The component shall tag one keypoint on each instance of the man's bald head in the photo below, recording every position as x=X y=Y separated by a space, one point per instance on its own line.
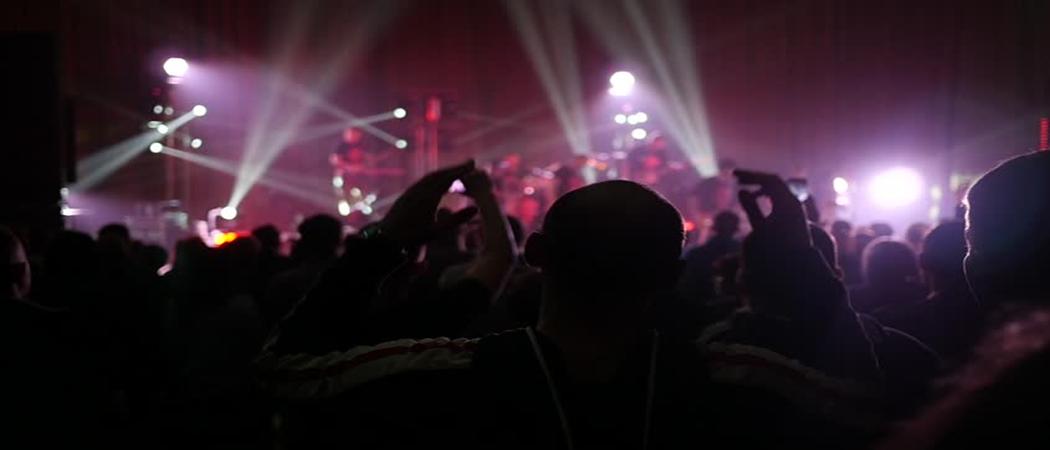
x=1008 y=231
x=614 y=237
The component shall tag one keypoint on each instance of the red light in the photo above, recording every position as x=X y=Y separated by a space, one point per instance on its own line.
x=1044 y=133
x=433 y=109
x=689 y=226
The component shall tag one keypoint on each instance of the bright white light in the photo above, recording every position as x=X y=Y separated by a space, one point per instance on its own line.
x=641 y=117
x=620 y=119
x=632 y=119
x=621 y=84
x=366 y=210
x=370 y=198
x=169 y=111
x=344 y=208
x=156 y=147
x=639 y=134
x=401 y=143
x=840 y=185
x=400 y=113
x=895 y=188
x=337 y=181
x=196 y=143
x=356 y=192
x=176 y=67
x=153 y=123
x=228 y=212
x=200 y=110
x=162 y=129
x=157 y=109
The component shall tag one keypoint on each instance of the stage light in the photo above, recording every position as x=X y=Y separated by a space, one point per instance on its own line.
x=228 y=212
x=153 y=124
x=639 y=134
x=641 y=117
x=401 y=143
x=370 y=198
x=344 y=208
x=156 y=147
x=621 y=84
x=196 y=143
x=632 y=120
x=157 y=109
x=842 y=200
x=840 y=185
x=620 y=119
x=169 y=111
x=162 y=129
x=337 y=181
x=366 y=210
x=400 y=113
x=895 y=188
x=200 y=110
x=176 y=67
x=355 y=192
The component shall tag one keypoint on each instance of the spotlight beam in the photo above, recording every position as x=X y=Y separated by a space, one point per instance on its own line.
x=560 y=76
x=99 y=166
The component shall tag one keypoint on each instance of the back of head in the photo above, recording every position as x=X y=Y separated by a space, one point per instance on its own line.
x=319 y=237
x=915 y=233
x=881 y=229
x=614 y=239
x=727 y=224
x=269 y=237
x=1008 y=231
x=943 y=252
x=841 y=229
x=114 y=231
x=888 y=263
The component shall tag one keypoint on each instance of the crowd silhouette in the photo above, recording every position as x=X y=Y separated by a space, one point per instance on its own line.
x=450 y=328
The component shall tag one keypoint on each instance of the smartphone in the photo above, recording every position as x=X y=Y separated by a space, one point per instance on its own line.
x=799 y=187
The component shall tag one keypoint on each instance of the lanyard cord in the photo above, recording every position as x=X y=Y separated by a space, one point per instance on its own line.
x=650 y=391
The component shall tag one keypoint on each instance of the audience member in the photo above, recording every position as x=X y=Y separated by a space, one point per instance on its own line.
x=316 y=249
x=891 y=284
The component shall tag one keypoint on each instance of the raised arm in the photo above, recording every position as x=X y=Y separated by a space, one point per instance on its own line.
x=499 y=254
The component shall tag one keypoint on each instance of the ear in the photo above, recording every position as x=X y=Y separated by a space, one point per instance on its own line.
x=537 y=253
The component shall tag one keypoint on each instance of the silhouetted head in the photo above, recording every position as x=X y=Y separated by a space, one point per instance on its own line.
x=269 y=237
x=915 y=234
x=889 y=263
x=942 y=255
x=841 y=230
x=609 y=243
x=881 y=229
x=319 y=237
x=15 y=279
x=1008 y=231
x=727 y=224
x=115 y=231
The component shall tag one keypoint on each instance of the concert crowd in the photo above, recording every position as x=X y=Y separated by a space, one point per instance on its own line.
x=585 y=320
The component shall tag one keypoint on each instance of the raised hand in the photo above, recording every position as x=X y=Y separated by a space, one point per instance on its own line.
x=786 y=225
x=411 y=222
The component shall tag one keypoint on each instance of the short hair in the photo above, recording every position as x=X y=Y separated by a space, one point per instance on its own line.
x=615 y=236
x=319 y=235
x=887 y=260
x=881 y=229
x=727 y=223
x=841 y=227
x=116 y=231
x=268 y=235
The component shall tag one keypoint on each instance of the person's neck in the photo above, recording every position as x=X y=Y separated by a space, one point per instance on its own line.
x=594 y=349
